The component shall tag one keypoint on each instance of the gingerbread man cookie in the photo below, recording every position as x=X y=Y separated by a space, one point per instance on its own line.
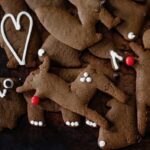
x=142 y=80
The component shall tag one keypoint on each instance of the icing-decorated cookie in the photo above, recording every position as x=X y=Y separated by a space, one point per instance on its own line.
x=142 y=80
x=19 y=36
x=76 y=105
x=12 y=104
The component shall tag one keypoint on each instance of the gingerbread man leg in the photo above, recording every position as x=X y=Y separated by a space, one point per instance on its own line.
x=36 y=115
x=71 y=119
x=141 y=117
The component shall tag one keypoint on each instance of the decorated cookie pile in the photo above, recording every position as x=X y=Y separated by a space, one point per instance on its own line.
x=69 y=50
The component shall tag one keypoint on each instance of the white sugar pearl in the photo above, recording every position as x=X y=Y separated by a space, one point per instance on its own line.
x=88 y=79
x=72 y=124
x=41 y=52
x=82 y=79
x=36 y=123
x=67 y=123
x=131 y=36
x=76 y=124
x=86 y=74
x=94 y=124
x=102 y=143
x=87 y=122
x=40 y=123
x=32 y=122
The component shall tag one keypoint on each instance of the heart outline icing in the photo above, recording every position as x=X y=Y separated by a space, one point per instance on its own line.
x=17 y=25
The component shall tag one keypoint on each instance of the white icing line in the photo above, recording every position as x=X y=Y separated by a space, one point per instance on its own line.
x=17 y=25
x=3 y=94
x=114 y=57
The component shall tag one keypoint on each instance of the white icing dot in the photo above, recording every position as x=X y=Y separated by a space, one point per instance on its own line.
x=41 y=52
x=87 y=122
x=40 y=123
x=35 y=123
x=72 y=124
x=102 y=143
x=82 y=79
x=32 y=122
x=94 y=124
x=76 y=124
x=131 y=36
x=86 y=74
x=88 y=79
x=67 y=123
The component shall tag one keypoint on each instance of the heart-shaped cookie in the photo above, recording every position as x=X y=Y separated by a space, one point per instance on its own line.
x=17 y=25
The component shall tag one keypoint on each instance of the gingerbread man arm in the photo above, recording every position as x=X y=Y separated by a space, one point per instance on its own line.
x=136 y=48
x=109 y=88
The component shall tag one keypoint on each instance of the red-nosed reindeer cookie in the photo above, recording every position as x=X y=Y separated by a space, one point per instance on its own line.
x=36 y=113
x=49 y=85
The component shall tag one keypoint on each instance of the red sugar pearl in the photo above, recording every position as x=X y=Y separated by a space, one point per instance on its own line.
x=130 y=61
x=35 y=100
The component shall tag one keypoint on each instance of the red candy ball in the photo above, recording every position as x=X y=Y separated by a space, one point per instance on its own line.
x=35 y=100
x=130 y=60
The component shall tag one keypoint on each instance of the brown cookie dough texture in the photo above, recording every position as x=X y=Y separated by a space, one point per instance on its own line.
x=132 y=15
x=142 y=80
x=77 y=98
x=12 y=105
x=60 y=23
x=17 y=39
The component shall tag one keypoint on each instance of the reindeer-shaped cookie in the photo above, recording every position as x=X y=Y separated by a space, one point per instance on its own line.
x=131 y=22
x=142 y=80
x=49 y=85
x=76 y=33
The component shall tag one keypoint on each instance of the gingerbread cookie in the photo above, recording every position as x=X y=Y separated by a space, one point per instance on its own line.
x=142 y=80
x=88 y=80
x=131 y=22
x=36 y=113
x=89 y=13
x=20 y=46
x=12 y=104
x=60 y=53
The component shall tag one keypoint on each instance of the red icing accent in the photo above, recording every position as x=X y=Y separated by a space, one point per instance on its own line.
x=35 y=100
x=130 y=61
